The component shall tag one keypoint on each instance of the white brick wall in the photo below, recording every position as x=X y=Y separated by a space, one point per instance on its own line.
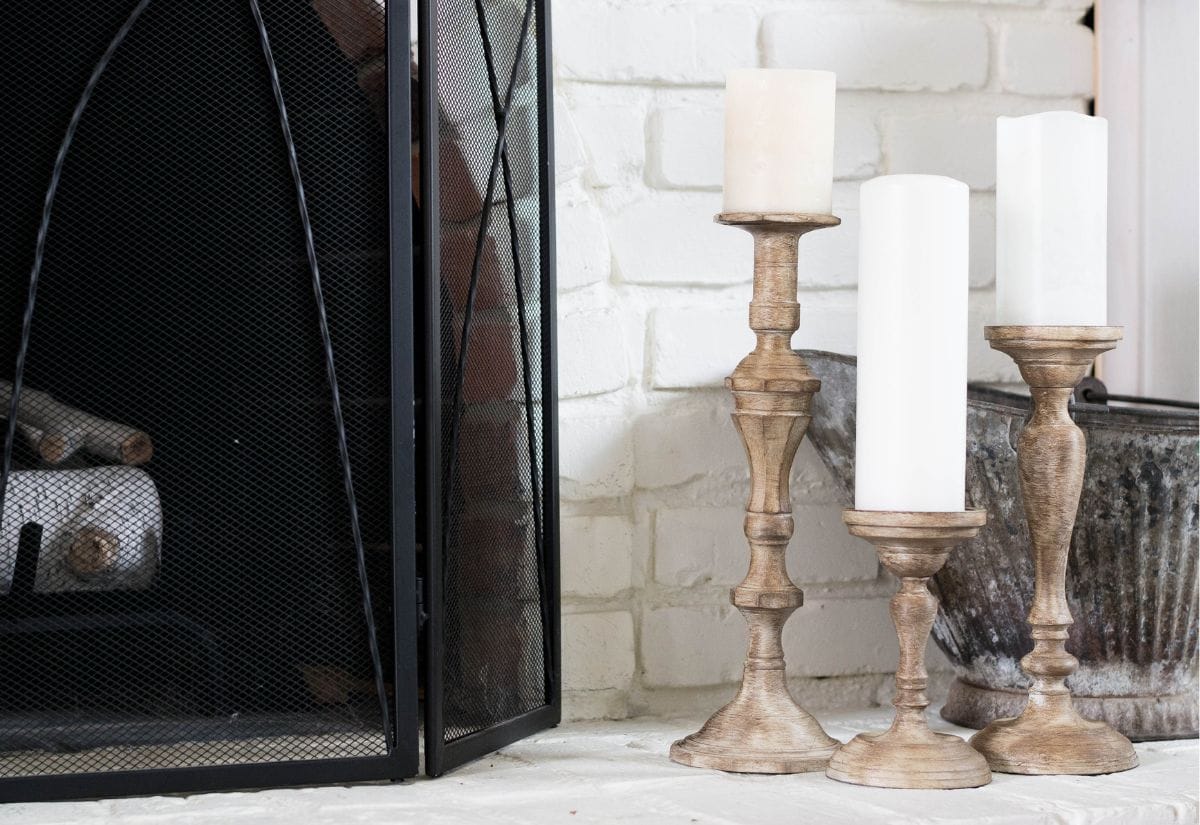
x=597 y=651
x=595 y=456
x=583 y=251
x=1042 y=59
x=687 y=143
x=651 y=42
x=670 y=238
x=705 y=545
x=584 y=369
x=931 y=143
x=898 y=50
x=597 y=556
x=653 y=299
x=673 y=447
x=614 y=142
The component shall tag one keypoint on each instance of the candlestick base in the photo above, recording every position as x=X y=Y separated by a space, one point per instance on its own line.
x=1050 y=737
x=913 y=546
x=916 y=758
x=761 y=731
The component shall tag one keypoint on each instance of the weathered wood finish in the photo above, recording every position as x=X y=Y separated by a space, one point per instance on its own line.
x=93 y=552
x=763 y=730
x=1049 y=736
x=913 y=546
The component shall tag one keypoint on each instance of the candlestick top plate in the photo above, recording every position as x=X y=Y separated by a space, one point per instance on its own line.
x=795 y=221
x=1048 y=334
x=1053 y=356
x=1073 y=343
x=914 y=527
x=914 y=544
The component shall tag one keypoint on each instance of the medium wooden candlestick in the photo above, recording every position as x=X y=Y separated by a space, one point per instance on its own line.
x=763 y=730
x=913 y=546
x=1050 y=737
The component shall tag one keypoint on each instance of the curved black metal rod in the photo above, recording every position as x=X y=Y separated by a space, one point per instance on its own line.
x=473 y=288
x=526 y=365
x=331 y=374
x=39 y=253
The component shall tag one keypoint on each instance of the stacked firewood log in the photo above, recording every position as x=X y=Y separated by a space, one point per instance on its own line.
x=98 y=528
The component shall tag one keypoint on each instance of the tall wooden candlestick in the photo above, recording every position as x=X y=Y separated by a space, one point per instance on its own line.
x=1050 y=737
x=913 y=546
x=763 y=730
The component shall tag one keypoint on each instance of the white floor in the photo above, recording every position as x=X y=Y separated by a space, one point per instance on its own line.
x=618 y=772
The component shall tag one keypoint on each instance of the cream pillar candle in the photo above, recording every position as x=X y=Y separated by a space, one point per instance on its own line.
x=1051 y=220
x=779 y=141
x=910 y=450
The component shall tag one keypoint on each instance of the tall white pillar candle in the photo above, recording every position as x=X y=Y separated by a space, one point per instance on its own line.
x=779 y=141
x=1051 y=219
x=912 y=345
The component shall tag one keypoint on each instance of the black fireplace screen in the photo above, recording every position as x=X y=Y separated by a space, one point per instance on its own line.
x=213 y=360
x=494 y=658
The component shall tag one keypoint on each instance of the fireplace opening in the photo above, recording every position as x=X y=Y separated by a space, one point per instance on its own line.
x=275 y=482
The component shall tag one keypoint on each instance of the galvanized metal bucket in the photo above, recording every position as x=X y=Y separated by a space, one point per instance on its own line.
x=1131 y=578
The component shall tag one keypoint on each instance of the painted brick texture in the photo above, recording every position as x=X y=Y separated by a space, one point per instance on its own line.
x=653 y=312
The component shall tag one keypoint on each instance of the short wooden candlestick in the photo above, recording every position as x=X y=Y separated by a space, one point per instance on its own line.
x=763 y=730
x=913 y=546
x=1050 y=737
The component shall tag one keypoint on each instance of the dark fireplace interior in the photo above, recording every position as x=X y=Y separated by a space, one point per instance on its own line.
x=250 y=423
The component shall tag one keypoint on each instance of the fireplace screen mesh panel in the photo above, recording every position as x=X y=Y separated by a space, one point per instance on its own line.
x=180 y=580
x=497 y=592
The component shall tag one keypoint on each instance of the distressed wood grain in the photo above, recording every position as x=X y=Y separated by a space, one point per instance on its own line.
x=763 y=730
x=1049 y=736
x=913 y=546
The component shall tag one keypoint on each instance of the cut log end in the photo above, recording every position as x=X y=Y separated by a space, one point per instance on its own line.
x=137 y=449
x=93 y=552
x=54 y=448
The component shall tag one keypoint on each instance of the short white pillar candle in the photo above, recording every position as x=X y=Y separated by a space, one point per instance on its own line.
x=910 y=452
x=1051 y=220
x=779 y=141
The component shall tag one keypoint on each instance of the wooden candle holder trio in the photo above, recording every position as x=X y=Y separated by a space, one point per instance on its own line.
x=763 y=730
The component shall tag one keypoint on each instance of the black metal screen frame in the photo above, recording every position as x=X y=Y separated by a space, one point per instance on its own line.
x=415 y=350
x=402 y=760
x=441 y=754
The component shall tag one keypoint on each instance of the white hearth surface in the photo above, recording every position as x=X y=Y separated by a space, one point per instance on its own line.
x=618 y=772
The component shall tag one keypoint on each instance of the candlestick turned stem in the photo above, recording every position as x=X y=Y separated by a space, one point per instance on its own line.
x=1050 y=737
x=913 y=546
x=763 y=730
